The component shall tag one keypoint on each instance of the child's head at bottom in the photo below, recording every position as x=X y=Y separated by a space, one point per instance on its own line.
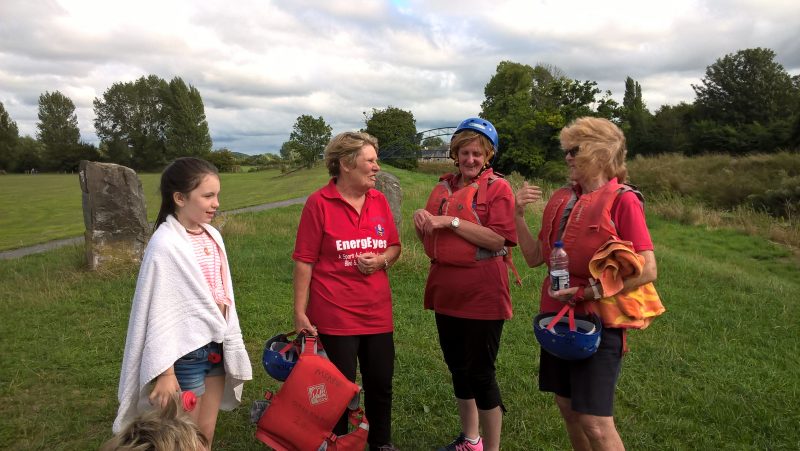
x=167 y=429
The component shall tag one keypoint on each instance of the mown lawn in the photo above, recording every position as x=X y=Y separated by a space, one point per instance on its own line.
x=719 y=370
x=44 y=207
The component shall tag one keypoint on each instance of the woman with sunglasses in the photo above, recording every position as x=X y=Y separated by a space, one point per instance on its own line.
x=584 y=214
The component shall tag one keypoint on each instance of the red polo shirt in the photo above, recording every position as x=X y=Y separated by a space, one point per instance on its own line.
x=331 y=234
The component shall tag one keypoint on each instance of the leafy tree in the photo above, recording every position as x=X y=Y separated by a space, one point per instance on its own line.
x=264 y=161
x=149 y=122
x=609 y=108
x=636 y=119
x=9 y=136
x=509 y=91
x=223 y=159
x=186 y=130
x=130 y=121
x=309 y=137
x=58 y=132
x=794 y=140
x=290 y=151
x=30 y=154
x=529 y=106
x=433 y=142
x=794 y=137
x=513 y=97
x=744 y=87
x=396 y=131
x=671 y=129
x=747 y=102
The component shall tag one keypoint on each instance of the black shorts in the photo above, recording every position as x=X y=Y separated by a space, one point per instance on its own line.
x=588 y=383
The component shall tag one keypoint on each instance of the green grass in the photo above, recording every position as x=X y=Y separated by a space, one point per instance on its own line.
x=36 y=209
x=719 y=370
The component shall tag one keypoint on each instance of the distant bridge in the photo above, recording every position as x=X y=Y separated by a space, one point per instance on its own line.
x=399 y=149
x=442 y=131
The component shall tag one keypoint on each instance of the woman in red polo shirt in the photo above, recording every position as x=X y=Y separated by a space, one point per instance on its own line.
x=467 y=227
x=346 y=242
x=583 y=215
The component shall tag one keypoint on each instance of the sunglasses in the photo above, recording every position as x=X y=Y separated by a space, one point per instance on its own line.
x=573 y=151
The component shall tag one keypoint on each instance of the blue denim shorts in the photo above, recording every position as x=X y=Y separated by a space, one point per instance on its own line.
x=192 y=369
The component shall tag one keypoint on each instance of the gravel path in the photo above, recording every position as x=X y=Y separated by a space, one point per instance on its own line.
x=44 y=247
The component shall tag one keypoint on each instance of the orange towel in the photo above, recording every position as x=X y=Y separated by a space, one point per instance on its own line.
x=611 y=265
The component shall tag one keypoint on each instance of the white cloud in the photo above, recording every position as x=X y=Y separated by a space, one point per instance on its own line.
x=259 y=64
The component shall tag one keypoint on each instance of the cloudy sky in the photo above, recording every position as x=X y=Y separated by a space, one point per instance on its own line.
x=259 y=64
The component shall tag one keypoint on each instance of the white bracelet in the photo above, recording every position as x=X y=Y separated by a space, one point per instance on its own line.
x=385 y=262
x=595 y=291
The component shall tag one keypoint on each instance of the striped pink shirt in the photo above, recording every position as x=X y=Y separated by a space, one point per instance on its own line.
x=208 y=256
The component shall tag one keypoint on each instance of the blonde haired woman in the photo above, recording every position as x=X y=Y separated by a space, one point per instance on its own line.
x=594 y=150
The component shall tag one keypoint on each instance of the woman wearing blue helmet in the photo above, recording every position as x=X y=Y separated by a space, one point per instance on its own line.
x=466 y=228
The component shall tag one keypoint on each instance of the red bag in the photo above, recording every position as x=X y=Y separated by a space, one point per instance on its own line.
x=302 y=414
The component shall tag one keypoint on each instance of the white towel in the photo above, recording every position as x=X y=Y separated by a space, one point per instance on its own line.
x=173 y=313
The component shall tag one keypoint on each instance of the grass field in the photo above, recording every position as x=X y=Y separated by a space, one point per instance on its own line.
x=719 y=370
x=44 y=207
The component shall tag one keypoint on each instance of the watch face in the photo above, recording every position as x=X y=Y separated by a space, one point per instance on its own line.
x=455 y=223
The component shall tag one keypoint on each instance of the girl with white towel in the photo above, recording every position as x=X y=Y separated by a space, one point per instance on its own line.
x=183 y=332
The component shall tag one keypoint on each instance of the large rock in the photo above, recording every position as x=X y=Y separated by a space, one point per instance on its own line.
x=389 y=185
x=114 y=214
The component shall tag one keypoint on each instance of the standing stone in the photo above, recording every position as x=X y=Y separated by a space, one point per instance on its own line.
x=114 y=214
x=389 y=185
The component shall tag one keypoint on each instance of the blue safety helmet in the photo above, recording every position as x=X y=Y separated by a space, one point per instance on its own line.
x=280 y=356
x=565 y=343
x=481 y=126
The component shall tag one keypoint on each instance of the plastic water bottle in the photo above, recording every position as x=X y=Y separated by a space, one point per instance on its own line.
x=559 y=267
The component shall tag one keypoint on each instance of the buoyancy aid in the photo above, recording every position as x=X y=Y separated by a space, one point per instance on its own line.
x=588 y=225
x=302 y=414
x=444 y=245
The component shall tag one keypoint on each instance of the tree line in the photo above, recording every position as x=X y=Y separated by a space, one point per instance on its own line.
x=745 y=103
x=143 y=124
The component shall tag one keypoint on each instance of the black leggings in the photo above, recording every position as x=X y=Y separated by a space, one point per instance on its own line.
x=470 y=349
x=375 y=355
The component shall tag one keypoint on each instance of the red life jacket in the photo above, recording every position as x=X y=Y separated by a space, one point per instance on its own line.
x=302 y=414
x=444 y=245
x=588 y=227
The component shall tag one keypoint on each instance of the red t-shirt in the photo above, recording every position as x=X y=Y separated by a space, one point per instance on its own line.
x=331 y=234
x=480 y=291
x=628 y=216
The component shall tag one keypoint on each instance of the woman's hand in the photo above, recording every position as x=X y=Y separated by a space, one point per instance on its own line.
x=527 y=194
x=564 y=295
x=420 y=218
x=301 y=322
x=166 y=386
x=425 y=222
x=370 y=262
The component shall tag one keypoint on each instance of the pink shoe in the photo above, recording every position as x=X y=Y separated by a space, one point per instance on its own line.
x=462 y=444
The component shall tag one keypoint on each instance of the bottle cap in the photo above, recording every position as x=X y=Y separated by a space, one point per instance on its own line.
x=558 y=243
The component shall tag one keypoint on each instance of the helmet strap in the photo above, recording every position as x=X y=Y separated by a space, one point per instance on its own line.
x=566 y=309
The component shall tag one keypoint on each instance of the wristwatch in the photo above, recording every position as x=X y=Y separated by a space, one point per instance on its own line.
x=455 y=223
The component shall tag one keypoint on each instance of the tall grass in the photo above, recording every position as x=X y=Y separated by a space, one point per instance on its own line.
x=717 y=371
x=755 y=194
x=764 y=182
